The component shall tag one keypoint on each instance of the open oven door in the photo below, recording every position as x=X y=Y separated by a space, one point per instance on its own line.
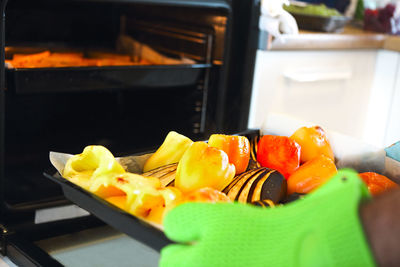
x=99 y=246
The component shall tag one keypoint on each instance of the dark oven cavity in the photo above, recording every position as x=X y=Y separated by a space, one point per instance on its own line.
x=176 y=53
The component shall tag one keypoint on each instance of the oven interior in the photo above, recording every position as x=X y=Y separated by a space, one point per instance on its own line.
x=125 y=108
x=197 y=78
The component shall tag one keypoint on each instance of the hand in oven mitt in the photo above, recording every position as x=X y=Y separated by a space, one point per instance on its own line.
x=322 y=229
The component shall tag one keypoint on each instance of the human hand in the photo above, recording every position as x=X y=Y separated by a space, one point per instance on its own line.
x=322 y=229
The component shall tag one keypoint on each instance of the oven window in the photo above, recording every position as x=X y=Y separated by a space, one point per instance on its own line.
x=116 y=74
x=123 y=121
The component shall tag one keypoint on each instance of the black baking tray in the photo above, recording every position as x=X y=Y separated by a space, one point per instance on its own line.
x=78 y=79
x=110 y=214
x=114 y=216
x=320 y=23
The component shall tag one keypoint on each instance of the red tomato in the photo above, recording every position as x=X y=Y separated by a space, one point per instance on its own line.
x=280 y=153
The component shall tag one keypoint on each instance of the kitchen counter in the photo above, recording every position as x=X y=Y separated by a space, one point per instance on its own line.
x=349 y=38
x=301 y=74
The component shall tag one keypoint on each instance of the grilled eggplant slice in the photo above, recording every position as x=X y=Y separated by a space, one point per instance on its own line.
x=257 y=184
x=292 y=197
x=166 y=174
x=253 y=163
x=264 y=203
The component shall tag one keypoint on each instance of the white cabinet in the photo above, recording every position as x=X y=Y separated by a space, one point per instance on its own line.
x=348 y=91
x=393 y=130
x=381 y=114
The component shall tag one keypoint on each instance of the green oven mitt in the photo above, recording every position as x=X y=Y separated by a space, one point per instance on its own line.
x=322 y=229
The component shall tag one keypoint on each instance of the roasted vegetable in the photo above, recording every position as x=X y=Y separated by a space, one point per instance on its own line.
x=203 y=166
x=104 y=186
x=311 y=175
x=377 y=183
x=292 y=197
x=236 y=147
x=257 y=184
x=93 y=170
x=313 y=142
x=145 y=197
x=206 y=194
x=279 y=153
x=264 y=203
x=141 y=193
x=171 y=198
x=171 y=151
x=166 y=174
x=253 y=163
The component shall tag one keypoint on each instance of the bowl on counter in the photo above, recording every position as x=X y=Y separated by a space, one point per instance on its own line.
x=320 y=23
x=316 y=17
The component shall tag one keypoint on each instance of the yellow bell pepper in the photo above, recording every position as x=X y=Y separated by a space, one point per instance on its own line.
x=172 y=197
x=203 y=166
x=144 y=196
x=169 y=152
x=141 y=192
x=94 y=162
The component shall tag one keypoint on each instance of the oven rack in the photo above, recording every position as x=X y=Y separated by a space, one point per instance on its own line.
x=83 y=79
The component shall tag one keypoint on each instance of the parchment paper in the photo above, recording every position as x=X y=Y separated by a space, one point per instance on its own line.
x=133 y=164
x=140 y=51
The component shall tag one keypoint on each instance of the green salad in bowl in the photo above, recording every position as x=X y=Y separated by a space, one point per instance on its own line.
x=317 y=17
x=311 y=9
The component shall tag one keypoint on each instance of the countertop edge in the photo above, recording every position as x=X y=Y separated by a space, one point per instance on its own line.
x=334 y=41
x=392 y=43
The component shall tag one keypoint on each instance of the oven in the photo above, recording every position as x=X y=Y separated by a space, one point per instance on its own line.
x=119 y=73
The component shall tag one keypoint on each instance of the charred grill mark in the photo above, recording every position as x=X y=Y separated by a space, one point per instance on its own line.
x=168 y=173
x=264 y=203
x=161 y=169
x=245 y=183
x=267 y=203
x=172 y=183
x=255 y=184
x=234 y=182
x=167 y=180
x=245 y=192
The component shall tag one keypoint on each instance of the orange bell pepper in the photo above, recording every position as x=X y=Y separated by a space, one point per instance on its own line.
x=279 y=153
x=311 y=175
x=313 y=142
x=203 y=166
x=237 y=148
x=377 y=183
